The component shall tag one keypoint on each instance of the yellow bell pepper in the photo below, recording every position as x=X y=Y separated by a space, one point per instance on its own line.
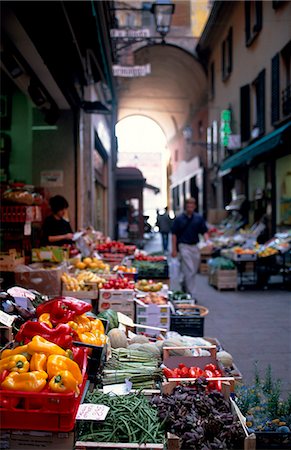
x=14 y=363
x=38 y=362
x=28 y=382
x=83 y=322
x=45 y=318
x=89 y=338
x=57 y=363
x=64 y=381
x=73 y=325
x=97 y=325
x=21 y=349
x=41 y=345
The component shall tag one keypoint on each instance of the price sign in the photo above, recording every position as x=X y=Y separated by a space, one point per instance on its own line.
x=88 y=411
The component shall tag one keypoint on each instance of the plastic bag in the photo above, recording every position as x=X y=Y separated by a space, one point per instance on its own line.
x=175 y=275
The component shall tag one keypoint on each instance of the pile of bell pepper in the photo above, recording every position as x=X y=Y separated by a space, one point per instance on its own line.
x=40 y=365
x=209 y=371
x=63 y=320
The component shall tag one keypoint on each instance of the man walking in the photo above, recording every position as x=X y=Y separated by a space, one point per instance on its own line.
x=164 y=222
x=185 y=237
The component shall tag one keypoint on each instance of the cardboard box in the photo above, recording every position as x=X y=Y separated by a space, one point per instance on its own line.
x=50 y=254
x=115 y=294
x=152 y=315
x=42 y=277
x=120 y=300
x=10 y=260
x=36 y=440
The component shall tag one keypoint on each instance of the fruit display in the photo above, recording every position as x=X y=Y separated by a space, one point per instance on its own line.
x=148 y=286
x=268 y=251
x=143 y=257
x=94 y=264
x=124 y=269
x=154 y=299
x=122 y=283
x=115 y=247
x=81 y=281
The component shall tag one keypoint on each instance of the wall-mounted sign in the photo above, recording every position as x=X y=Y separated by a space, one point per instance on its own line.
x=129 y=33
x=234 y=141
x=225 y=130
x=52 y=178
x=131 y=71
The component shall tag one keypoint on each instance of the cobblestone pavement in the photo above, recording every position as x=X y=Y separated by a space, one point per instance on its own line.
x=252 y=325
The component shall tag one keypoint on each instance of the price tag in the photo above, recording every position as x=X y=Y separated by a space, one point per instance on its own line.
x=6 y=319
x=27 y=229
x=17 y=291
x=88 y=411
x=118 y=389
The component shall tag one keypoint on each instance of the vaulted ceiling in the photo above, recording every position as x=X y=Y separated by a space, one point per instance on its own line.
x=171 y=94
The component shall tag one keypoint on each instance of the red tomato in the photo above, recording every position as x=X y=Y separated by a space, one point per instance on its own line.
x=168 y=372
x=181 y=365
x=208 y=373
x=184 y=372
x=193 y=372
x=211 y=367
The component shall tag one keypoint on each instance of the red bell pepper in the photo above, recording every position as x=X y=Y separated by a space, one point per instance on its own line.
x=63 y=309
x=62 y=335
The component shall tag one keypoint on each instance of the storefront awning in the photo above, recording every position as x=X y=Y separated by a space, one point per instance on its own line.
x=263 y=145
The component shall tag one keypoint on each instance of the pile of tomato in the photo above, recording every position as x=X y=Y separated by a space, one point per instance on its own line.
x=209 y=371
x=120 y=283
x=141 y=257
x=115 y=247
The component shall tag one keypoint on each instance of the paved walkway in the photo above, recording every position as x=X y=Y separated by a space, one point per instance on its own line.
x=252 y=325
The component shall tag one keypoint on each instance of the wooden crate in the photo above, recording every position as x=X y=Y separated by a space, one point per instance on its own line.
x=10 y=260
x=224 y=279
x=249 y=440
x=80 y=445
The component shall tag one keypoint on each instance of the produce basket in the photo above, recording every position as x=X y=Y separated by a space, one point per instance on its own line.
x=47 y=411
x=191 y=322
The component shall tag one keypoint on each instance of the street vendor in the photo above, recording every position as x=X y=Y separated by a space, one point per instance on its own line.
x=56 y=228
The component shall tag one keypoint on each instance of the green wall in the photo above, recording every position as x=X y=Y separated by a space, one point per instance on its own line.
x=20 y=166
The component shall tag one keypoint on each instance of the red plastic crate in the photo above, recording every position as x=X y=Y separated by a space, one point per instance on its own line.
x=47 y=411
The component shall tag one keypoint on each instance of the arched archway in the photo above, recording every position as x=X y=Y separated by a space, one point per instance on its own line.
x=142 y=144
x=171 y=94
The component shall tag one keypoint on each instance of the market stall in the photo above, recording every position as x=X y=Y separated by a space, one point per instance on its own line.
x=99 y=366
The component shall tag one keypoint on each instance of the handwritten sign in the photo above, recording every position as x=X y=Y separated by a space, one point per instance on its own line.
x=88 y=411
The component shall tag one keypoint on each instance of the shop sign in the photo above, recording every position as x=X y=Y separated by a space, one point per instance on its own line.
x=234 y=141
x=52 y=178
x=131 y=71
x=129 y=33
x=225 y=130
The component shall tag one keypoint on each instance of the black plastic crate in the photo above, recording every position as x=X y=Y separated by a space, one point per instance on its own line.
x=188 y=325
x=267 y=440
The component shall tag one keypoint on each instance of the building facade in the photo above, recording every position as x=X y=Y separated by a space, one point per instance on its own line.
x=246 y=48
x=59 y=104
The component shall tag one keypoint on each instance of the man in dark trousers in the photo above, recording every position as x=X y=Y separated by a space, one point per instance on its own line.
x=164 y=222
x=185 y=236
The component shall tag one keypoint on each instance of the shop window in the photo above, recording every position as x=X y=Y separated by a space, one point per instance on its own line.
x=286 y=79
x=245 y=112
x=227 y=56
x=277 y=3
x=275 y=94
x=253 y=19
x=258 y=105
x=212 y=82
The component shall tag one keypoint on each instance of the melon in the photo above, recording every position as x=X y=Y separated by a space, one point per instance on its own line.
x=117 y=338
